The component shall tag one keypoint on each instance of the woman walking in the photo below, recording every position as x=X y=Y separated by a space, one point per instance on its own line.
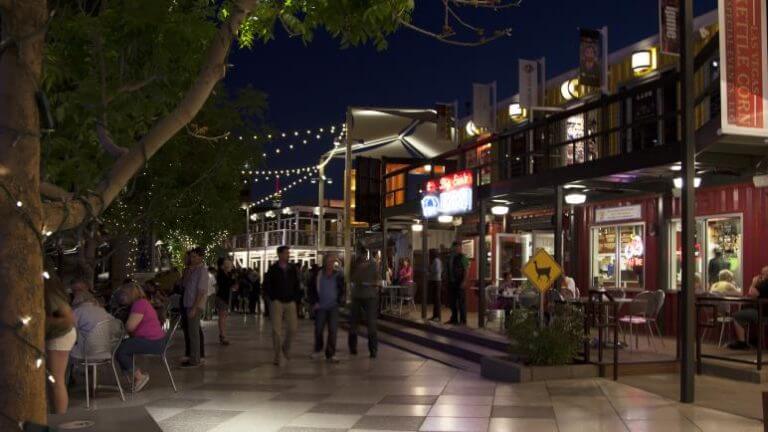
x=60 y=337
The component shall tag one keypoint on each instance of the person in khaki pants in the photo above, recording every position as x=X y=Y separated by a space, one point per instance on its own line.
x=282 y=285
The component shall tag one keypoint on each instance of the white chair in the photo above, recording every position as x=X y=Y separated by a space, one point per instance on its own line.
x=163 y=355
x=98 y=349
x=643 y=311
x=723 y=317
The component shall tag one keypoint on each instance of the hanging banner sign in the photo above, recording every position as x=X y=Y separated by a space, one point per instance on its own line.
x=528 y=83
x=669 y=26
x=445 y=119
x=591 y=58
x=448 y=195
x=744 y=67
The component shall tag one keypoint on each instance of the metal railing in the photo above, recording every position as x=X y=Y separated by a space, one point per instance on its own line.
x=288 y=237
x=714 y=304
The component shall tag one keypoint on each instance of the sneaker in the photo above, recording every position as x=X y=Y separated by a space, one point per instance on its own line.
x=189 y=364
x=142 y=383
x=316 y=355
x=373 y=354
x=333 y=359
x=223 y=341
x=353 y=352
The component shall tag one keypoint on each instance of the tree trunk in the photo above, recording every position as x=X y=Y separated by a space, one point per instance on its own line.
x=118 y=261
x=22 y=386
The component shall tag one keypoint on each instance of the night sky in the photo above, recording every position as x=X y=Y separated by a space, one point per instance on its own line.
x=310 y=86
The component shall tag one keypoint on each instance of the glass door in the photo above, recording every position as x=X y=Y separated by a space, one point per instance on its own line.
x=512 y=252
x=618 y=256
x=605 y=246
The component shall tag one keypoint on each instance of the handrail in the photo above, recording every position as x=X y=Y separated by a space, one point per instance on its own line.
x=603 y=324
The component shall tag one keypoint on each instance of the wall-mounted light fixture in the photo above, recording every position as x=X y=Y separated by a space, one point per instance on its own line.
x=427 y=168
x=445 y=219
x=417 y=227
x=678 y=182
x=516 y=110
x=569 y=89
x=643 y=61
x=471 y=128
x=575 y=198
x=499 y=210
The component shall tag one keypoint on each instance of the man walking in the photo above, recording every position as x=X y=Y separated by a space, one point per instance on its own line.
x=457 y=281
x=282 y=286
x=326 y=294
x=195 y=284
x=365 y=281
x=435 y=282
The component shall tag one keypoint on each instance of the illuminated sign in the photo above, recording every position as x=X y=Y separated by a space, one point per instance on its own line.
x=448 y=195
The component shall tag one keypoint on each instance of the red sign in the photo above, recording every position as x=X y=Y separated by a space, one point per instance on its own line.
x=744 y=75
x=450 y=182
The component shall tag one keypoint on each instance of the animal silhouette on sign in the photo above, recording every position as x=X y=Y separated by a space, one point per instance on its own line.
x=542 y=272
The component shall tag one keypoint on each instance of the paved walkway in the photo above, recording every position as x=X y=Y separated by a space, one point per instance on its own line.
x=240 y=390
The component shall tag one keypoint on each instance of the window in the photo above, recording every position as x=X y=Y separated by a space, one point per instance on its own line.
x=395 y=186
x=713 y=233
x=618 y=256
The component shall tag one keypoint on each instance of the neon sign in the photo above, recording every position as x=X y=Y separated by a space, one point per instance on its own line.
x=448 y=195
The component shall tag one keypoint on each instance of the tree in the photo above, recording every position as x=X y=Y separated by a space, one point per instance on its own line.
x=27 y=217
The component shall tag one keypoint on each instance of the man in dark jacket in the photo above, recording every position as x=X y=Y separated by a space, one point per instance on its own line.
x=326 y=294
x=282 y=286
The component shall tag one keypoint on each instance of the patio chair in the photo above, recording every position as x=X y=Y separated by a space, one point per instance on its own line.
x=163 y=355
x=723 y=317
x=408 y=297
x=643 y=312
x=98 y=349
x=494 y=310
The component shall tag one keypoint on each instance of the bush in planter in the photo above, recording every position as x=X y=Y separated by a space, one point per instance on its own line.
x=555 y=344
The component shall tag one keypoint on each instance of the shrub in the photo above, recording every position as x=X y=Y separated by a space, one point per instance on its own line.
x=555 y=344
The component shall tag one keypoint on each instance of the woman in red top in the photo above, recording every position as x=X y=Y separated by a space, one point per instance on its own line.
x=405 y=275
x=146 y=335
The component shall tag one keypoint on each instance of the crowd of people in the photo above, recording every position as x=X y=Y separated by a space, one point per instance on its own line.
x=290 y=292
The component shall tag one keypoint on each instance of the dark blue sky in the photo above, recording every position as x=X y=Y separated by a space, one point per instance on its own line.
x=311 y=86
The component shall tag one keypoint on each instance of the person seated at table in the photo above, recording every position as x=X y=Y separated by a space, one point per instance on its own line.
x=405 y=274
x=88 y=314
x=748 y=315
x=568 y=288
x=146 y=335
x=698 y=289
x=506 y=286
x=725 y=284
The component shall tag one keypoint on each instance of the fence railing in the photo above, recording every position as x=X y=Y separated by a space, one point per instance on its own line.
x=288 y=237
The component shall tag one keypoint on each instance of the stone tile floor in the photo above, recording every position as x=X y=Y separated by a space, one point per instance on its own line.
x=240 y=390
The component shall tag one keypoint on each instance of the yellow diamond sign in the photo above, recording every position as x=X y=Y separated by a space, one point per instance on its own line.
x=542 y=270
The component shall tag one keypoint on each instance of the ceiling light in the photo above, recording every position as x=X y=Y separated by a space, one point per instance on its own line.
x=427 y=167
x=417 y=227
x=574 y=198
x=499 y=210
x=445 y=219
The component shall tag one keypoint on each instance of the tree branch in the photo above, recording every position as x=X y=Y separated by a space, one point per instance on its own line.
x=132 y=87
x=487 y=4
x=52 y=191
x=107 y=143
x=483 y=40
x=60 y=216
x=194 y=134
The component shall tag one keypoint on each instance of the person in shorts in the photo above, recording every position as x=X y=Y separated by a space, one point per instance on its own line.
x=748 y=315
x=60 y=337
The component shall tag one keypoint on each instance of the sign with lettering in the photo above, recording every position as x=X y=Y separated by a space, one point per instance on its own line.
x=448 y=195
x=669 y=26
x=744 y=67
x=614 y=214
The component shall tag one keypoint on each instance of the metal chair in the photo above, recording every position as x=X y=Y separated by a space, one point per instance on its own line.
x=643 y=312
x=408 y=298
x=163 y=355
x=98 y=349
x=723 y=316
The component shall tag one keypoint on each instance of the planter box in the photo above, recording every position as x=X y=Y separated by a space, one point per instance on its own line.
x=510 y=369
